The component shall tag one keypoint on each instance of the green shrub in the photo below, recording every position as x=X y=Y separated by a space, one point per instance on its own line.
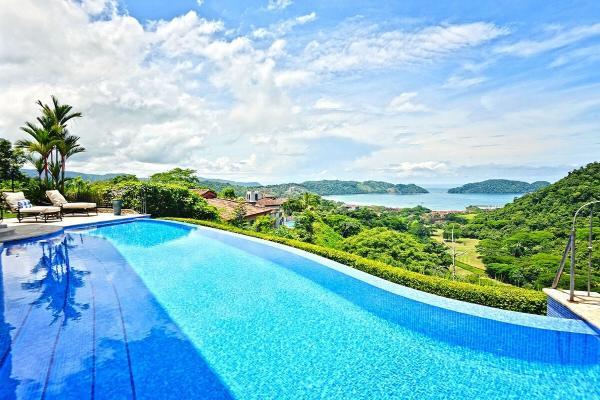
x=162 y=199
x=505 y=297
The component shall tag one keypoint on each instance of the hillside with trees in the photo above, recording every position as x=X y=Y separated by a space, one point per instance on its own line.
x=499 y=186
x=337 y=187
x=522 y=242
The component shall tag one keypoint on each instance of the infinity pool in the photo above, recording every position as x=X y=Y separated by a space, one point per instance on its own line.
x=159 y=310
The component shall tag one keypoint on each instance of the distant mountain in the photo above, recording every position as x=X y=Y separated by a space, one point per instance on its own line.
x=336 y=187
x=323 y=188
x=500 y=186
x=227 y=182
x=72 y=174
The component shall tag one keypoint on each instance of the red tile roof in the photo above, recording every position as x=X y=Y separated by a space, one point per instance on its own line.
x=270 y=202
x=227 y=208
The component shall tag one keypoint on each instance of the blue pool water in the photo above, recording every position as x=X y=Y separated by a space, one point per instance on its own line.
x=155 y=310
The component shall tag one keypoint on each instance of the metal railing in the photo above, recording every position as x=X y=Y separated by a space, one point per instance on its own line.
x=571 y=248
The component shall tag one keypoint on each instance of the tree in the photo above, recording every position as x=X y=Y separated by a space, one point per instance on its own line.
x=11 y=161
x=75 y=187
x=51 y=140
x=182 y=176
x=42 y=143
x=395 y=248
x=310 y=200
x=342 y=224
x=292 y=205
x=37 y=162
x=239 y=215
x=67 y=147
x=304 y=226
x=264 y=223
x=228 y=193
x=124 y=178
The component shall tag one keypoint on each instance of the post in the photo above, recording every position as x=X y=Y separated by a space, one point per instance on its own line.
x=573 y=236
x=453 y=255
x=589 y=274
x=572 y=280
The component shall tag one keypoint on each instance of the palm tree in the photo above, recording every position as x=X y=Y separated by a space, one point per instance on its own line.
x=67 y=146
x=57 y=116
x=51 y=139
x=55 y=169
x=43 y=143
x=37 y=162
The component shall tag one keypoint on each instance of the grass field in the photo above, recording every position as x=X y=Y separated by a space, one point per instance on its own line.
x=466 y=248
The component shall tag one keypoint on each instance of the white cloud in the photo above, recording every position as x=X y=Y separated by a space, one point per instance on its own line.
x=459 y=82
x=591 y=53
x=404 y=104
x=328 y=104
x=95 y=7
x=283 y=27
x=417 y=169
x=278 y=4
x=526 y=48
x=199 y=3
x=291 y=78
x=193 y=92
x=370 y=48
x=137 y=87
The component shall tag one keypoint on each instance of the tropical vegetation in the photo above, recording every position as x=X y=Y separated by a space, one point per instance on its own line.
x=522 y=243
x=500 y=186
x=51 y=144
x=11 y=161
x=337 y=187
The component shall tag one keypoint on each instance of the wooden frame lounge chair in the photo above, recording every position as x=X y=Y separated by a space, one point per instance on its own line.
x=18 y=204
x=58 y=200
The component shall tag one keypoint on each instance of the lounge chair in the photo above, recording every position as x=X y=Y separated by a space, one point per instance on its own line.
x=18 y=204
x=58 y=200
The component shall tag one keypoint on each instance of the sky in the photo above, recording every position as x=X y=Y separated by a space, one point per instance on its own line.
x=273 y=91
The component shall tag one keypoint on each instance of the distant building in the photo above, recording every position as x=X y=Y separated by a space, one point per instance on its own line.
x=252 y=196
x=206 y=193
x=226 y=209
x=269 y=202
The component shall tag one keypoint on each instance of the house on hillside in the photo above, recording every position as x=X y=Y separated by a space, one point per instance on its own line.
x=252 y=196
x=206 y=193
x=226 y=209
x=269 y=202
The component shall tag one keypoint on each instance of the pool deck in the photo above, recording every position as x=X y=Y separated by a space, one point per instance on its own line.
x=30 y=228
x=585 y=307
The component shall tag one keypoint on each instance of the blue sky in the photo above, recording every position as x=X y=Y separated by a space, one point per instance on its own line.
x=285 y=90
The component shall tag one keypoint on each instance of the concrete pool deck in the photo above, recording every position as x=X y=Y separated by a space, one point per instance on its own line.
x=30 y=228
x=585 y=307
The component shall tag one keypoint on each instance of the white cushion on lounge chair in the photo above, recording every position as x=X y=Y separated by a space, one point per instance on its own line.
x=12 y=199
x=78 y=206
x=56 y=198
x=39 y=210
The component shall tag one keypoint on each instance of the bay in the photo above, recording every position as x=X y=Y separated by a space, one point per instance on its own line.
x=438 y=199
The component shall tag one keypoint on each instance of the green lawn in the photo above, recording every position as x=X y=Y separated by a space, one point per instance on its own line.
x=8 y=215
x=470 y=268
x=466 y=248
x=469 y=217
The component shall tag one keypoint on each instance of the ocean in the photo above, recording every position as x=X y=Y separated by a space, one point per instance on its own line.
x=438 y=199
